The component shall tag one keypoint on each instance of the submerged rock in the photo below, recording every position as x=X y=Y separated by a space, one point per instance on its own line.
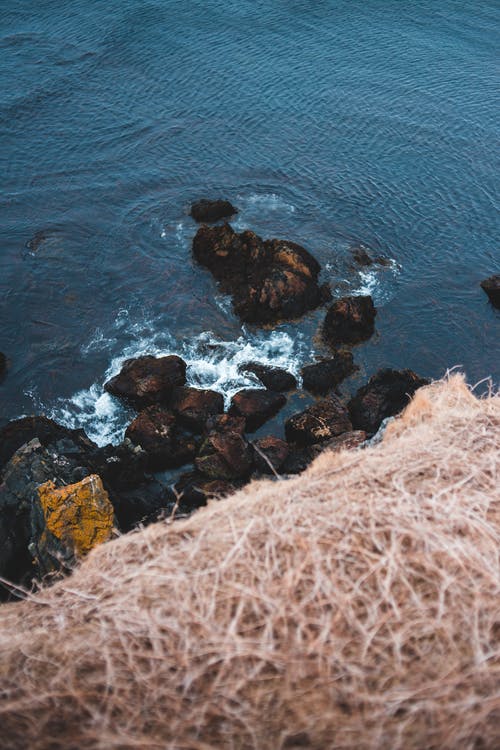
x=492 y=288
x=193 y=406
x=147 y=380
x=270 y=452
x=322 y=421
x=385 y=394
x=274 y=378
x=67 y=522
x=269 y=280
x=362 y=258
x=158 y=433
x=256 y=406
x=3 y=364
x=326 y=375
x=349 y=320
x=206 y=210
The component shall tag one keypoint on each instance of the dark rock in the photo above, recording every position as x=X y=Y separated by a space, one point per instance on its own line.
x=156 y=430
x=492 y=288
x=193 y=490
x=324 y=376
x=120 y=467
x=143 y=504
x=269 y=280
x=322 y=421
x=205 y=210
x=225 y=423
x=20 y=431
x=346 y=441
x=194 y=406
x=225 y=454
x=3 y=364
x=274 y=450
x=349 y=320
x=31 y=466
x=361 y=257
x=385 y=394
x=256 y=405
x=274 y=378
x=148 y=380
x=298 y=459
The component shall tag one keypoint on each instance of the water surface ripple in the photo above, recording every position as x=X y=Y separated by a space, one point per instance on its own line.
x=328 y=123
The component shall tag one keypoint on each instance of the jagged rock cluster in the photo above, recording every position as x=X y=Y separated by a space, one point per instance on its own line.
x=60 y=494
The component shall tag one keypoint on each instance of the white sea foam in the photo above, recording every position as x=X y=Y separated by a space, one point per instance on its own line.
x=255 y=204
x=378 y=281
x=211 y=363
x=268 y=201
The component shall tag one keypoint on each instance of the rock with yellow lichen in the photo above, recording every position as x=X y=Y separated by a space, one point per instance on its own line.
x=67 y=522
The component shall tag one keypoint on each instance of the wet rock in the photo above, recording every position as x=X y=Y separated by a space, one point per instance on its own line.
x=385 y=395
x=361 y=256
x=193 y=406
x=346 y=441
x=269 y=280
x=492 y=288
x=274 y=378
x=194 y=490
x=349 y=320
x=324 y=376
x=225 y=454
x=158 y=433
x=270 y=450
x=120 y=466
x=148 y=380
x=67 y=522
x=256 y=405
x=207 y=211
x=20 y=431
x=142 y=505
x=225 y=423
x=320 y=422
x=300 y=457
x=3 y=364
x=30 y=466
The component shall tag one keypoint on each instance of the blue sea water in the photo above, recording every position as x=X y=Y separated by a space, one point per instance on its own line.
x=332 y=124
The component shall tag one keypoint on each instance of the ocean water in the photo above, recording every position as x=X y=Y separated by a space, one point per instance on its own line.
x=332 y=124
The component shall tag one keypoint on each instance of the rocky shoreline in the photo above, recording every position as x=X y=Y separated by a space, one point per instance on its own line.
x=60 y=494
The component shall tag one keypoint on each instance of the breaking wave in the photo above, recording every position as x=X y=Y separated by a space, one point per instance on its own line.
x=211 y=363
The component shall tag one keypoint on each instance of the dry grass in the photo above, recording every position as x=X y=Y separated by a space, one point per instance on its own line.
x=356 y=606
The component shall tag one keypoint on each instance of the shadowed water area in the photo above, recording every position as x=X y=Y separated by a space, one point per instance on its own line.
x=328 y=123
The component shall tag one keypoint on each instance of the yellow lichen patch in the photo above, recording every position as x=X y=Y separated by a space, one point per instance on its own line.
x=79 y=515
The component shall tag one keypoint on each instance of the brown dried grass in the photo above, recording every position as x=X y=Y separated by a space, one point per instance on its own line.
x=356 y=606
